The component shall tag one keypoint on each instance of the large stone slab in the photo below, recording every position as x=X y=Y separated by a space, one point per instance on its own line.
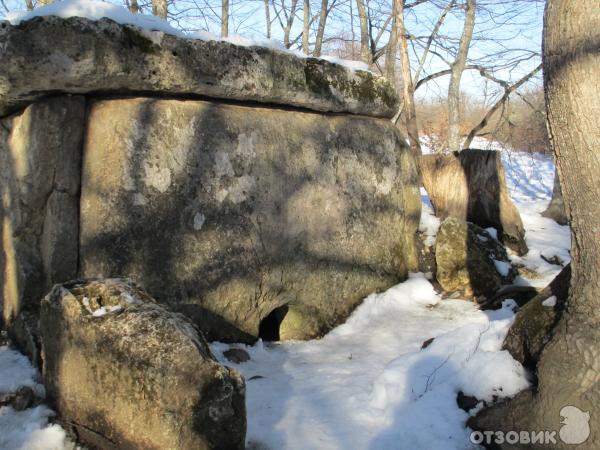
x=40 y=165
x=471 y=185
x=76 y=55
x=127 y=374
x=235 y=214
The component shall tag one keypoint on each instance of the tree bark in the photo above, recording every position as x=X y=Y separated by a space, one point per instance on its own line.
x=365 y=49
x=224 y=18
x=569 y=368
x=133 y=6
x=458 y=66
x=306 y=27
x=289 y=23
x=268 y=18
x=159 y=8
x=556 y=208
x=321 y=29
x=392 y=49
x=407 y=84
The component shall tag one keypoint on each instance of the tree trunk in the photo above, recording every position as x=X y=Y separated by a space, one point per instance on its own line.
x=392 y=47
x=455 y=75
x=224 y=18
x=556 y=208
x=159 y=8
x=321 y=29
x=569 y=368
x=134 y=7
x=365 y=50
x=306 y=28
x=408 y=91
x=288 y=25
x=268 y=18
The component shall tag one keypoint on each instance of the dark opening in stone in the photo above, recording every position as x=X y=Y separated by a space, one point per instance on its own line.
x=268 y=329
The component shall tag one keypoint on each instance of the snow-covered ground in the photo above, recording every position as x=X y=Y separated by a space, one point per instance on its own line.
x=28 y=429
x=368 y=384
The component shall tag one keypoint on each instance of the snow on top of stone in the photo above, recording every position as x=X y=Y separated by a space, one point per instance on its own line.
x=96 y=10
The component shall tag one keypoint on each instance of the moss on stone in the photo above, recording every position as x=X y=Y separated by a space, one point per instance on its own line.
x=135 y=39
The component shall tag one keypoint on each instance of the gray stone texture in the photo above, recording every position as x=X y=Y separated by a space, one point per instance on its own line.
x=137 y=377
x=228 y=212
x=40 y=166
x=76 y=55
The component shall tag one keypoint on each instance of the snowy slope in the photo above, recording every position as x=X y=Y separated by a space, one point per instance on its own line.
x=368 y=384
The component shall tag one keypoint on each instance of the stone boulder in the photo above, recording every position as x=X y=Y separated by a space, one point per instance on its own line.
x=246 y=218
x=535 y=321
x=556 y=209
x=469 y=260
x=471 y=185
x=40 y=166
x=124 y=373
x=53 y=55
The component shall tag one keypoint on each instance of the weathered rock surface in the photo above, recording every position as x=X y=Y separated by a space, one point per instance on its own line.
x=229 y=212
x=40 y=166
x=535 y=321
x=76 y=55
x=556 y=209
x=126 y=373
x=471 y=185
x=465 y=255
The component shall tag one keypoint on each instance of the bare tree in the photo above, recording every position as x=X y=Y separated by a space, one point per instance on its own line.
x=224 y=18
x=159 y=8
x=321 y=28
x=133 y=6
x=306 y=27
x=365 y=48
x=508 y=90
x=290 y=22
x=457 y=69
x=407 y=84
x=392 y=48
x=268 y=18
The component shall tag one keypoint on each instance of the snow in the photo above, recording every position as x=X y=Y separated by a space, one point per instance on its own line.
x=429 y=223
x=368 y=383
x=96 y=10
x=550 y=301
x=103 y=310
x=29 y=429
x=492 y=232
x=502 y=267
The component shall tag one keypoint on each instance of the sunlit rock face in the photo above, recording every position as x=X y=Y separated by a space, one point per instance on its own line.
x=245 y=187
x=126 y=373
x=228 y=212
x=76 y=55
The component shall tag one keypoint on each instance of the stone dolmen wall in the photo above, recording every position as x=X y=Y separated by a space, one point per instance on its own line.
x=258 y=193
